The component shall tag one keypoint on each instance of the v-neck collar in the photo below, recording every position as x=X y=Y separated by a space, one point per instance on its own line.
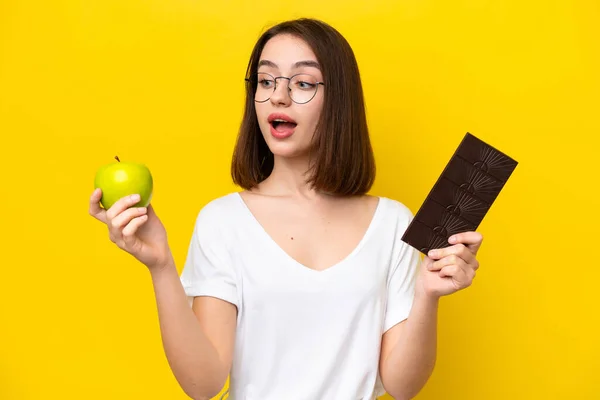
x=272 y=243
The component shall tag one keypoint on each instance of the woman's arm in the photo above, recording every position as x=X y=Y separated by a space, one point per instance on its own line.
x=408 y=351
x=198 y=340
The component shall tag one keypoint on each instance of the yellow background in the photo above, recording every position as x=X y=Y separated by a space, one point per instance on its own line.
x=161 y=82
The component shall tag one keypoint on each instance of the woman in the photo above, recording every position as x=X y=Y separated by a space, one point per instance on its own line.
x=299 y=285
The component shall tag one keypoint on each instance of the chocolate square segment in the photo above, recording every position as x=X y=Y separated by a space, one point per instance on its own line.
x=472 y=180
x=441 y=221
x=424 y=238
x=458 y=202
x=462 y=195
x=486 y=158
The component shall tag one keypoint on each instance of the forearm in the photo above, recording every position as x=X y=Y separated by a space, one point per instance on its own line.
x=193 y=359
x=412 y=359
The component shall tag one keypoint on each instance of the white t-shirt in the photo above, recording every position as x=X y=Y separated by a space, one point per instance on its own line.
x=303 y=334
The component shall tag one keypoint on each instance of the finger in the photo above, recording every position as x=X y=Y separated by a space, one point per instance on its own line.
x=121 y=205
x=450 y=271
x=461 y=279
x=151 y=211
x=472 y=240
x=132 y=227
x=452 y=259
x=95 y=210
x=426 y=263
x=126 y=216
x=459 y=250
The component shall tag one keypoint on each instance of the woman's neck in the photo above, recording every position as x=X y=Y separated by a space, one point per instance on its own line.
x=288 y=179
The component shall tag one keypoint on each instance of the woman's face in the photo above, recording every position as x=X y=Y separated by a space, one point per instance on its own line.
x=287 y=126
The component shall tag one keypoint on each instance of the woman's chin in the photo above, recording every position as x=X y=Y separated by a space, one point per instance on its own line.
x=288 y=150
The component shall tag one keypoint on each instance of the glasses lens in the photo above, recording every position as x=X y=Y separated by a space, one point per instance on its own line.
x=303 y=88
x=264 y=84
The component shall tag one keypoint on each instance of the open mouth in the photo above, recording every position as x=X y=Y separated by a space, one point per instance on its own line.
x=281 y=125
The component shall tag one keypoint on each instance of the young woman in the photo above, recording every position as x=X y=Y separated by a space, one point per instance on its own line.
x=299 y=285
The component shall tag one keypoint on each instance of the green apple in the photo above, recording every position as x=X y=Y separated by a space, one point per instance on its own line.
x=122 y=179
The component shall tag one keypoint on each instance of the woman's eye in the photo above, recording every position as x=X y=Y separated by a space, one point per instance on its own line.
x=266 y=83
x=305 y=85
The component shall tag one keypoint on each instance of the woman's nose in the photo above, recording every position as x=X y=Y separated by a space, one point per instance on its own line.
x=281 y=93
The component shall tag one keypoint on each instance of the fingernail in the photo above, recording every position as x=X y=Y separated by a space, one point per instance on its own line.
x=452 y=239
x=432 y=253
x=135 y=197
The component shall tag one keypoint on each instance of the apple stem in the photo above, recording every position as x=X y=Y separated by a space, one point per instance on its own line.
x=117 y=158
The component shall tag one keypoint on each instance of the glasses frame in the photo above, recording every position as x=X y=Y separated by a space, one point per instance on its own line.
x=289 y=91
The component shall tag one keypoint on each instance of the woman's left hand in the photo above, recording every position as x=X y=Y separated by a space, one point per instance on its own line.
x=450 y=269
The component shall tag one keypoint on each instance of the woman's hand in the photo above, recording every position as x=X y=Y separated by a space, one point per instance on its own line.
x=450 y=269
x=137 y=230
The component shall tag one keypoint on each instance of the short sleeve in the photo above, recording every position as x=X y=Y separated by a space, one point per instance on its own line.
x=401 y=283
x=208 y=269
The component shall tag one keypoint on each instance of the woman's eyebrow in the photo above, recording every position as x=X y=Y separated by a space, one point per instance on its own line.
x=267 y=63
x=305 y=63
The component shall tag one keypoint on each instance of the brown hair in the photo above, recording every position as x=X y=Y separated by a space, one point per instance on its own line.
x=342 y=161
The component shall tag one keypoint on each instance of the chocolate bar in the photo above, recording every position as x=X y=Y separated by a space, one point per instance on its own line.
x=461 y=196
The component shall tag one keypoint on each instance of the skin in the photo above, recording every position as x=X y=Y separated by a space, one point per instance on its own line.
x=299 y=220
x=280 y=54
x=285 y=206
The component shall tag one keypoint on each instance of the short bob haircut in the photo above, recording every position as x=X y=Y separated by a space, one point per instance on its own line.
x=341 y=158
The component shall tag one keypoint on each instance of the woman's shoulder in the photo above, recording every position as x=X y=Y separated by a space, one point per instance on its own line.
x=220 y=210
x=397 y=208
x=222 y=203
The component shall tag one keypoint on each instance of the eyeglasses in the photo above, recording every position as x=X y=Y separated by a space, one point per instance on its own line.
x=302 y=88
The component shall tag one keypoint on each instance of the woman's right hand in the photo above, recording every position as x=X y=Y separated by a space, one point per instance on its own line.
x=137 y=230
